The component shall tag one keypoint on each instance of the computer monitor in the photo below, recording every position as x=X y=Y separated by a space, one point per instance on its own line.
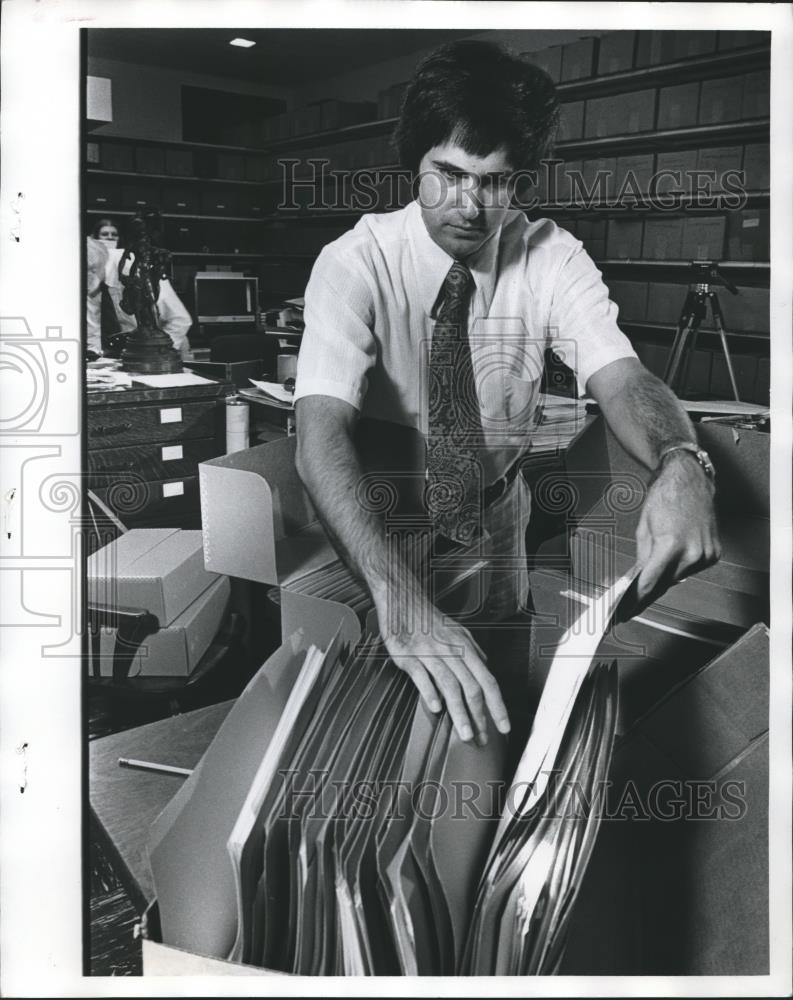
x=224 y=297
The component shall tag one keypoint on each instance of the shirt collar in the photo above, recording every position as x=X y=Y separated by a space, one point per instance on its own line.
x=432 y=264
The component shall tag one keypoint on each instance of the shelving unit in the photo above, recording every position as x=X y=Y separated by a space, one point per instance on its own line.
x=279 y=245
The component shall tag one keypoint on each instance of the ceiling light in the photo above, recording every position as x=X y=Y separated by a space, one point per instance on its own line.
x=243 y=43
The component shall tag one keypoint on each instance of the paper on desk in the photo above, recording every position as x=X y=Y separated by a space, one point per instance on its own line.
x=273 y=389
x=171 y=381
x=725 y=407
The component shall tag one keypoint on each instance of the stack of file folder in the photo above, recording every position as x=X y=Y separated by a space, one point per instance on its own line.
x=337 y=827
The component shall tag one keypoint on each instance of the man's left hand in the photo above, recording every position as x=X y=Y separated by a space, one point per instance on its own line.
x=677 y=533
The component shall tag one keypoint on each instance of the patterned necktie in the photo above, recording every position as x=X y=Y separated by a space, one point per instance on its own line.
x=454 y=474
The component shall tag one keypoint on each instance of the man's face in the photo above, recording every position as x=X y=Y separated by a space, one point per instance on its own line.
x=463 y=197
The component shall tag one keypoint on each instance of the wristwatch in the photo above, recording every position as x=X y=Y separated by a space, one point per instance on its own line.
x=699 y=454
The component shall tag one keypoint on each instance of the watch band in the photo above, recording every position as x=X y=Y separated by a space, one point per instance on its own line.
x=699 y=454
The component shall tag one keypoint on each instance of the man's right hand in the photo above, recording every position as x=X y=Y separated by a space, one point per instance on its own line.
x=447 y=667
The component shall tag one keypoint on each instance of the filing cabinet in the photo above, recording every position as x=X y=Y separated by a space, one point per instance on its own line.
x=144 y=446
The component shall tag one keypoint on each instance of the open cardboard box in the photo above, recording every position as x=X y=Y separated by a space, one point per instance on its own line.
x=164 y=960
x=259 y=524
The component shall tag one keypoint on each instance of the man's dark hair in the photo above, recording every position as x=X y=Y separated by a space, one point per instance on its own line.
x=486 y=97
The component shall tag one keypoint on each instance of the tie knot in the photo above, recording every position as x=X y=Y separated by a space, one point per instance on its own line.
x=455 y=289
x=458 y=279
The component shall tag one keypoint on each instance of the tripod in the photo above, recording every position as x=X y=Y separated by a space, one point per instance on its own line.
x=703 y=274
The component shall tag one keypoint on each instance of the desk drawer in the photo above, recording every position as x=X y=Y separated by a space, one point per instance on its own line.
x=150 y=461
x=162 y=422
x=162 y=504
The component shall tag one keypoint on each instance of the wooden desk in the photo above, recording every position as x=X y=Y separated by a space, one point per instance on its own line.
x=124 y=803
x=144 y=446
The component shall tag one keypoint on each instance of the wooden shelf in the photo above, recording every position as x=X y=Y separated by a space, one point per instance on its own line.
x=754 y=199
x=731 y=62
x=665 y=139
x=183 y=215
x=275 y=258
x=138 y=175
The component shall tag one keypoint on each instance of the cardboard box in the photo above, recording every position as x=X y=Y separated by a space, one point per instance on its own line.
x=118 y=156
x=564 y=182
x=653 y=652
x=744 y=367
x=663 y=239
x=306 y=120
x=160 y=570
x=756 y=95
x=739 y=39
x=748 y=311
x=259 y=523
x=721 y=100
x=748 y=234
x=620 y=114
x=756 y=167
x=701 y=906
x=668 y=46
x=615 y=52
x=633 y=176
x=723 y=164
x=179 y=162
x=631 y=297
x=672 y=172
x=176 y=650
x=625 y=239
x=219 y=201
x=136 y=196
x=548 y=59
x=572 y=121
x=230 y=166
x=678 y=105
x=664 y=302
x=653 y=355
x=703 y=237
x=599 y=177
x=578 y=59
x=149 y=160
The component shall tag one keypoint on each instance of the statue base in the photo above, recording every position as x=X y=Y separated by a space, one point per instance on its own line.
x=150 y=351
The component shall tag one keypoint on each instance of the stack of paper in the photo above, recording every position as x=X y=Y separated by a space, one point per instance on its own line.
x=334 y=582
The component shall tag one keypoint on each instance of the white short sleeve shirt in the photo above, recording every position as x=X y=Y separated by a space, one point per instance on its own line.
x=368 y=326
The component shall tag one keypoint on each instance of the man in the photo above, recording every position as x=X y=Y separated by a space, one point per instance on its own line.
x=461 y=293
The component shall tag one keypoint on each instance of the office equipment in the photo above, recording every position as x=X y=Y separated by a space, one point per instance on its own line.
x=225 y=297
x=704 y=273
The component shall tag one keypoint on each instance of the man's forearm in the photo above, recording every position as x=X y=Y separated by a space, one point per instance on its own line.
x=646 y=417
x=332 y=474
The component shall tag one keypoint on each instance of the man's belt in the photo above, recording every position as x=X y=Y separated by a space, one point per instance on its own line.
x=497 y=489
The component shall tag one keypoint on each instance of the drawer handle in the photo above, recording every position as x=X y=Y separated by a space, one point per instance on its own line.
x=108 y=431
x=123 y=467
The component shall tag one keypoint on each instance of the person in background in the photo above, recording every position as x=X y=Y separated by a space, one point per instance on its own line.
x=97 y=254
x=175 y=320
